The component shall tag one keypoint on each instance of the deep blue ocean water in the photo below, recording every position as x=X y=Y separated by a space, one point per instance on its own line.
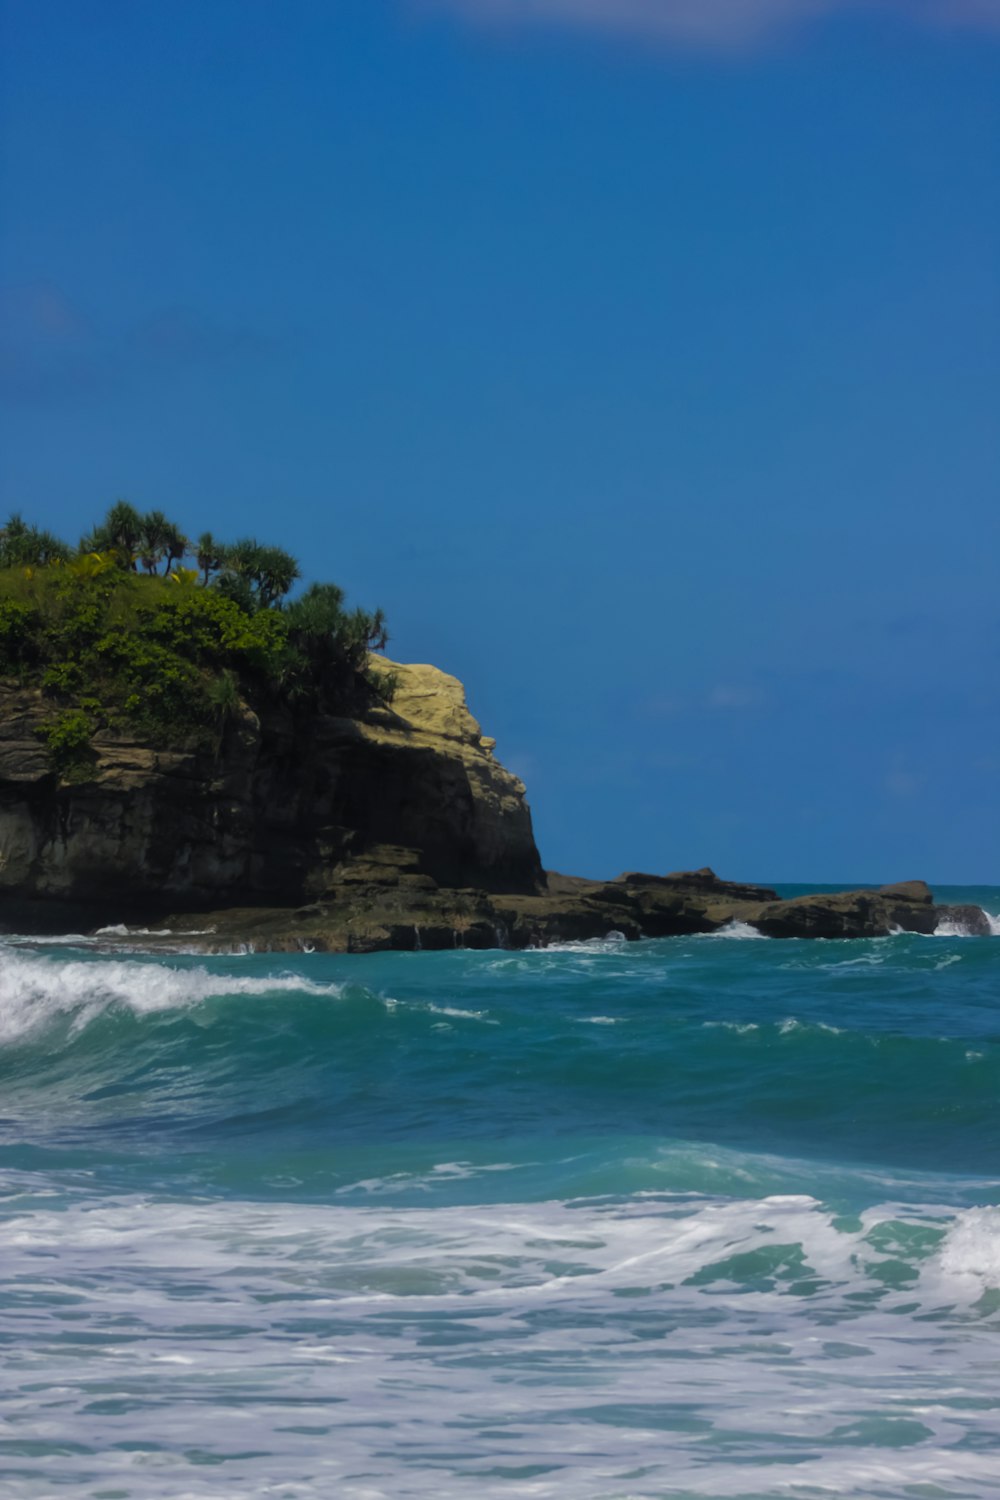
x=697 y=1217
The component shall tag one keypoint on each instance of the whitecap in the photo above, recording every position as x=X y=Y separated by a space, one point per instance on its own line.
x=952 y=929
x=790 y=1024
x=459 y=1014
x=34 y=991
x=742 y=931
x=566 y=1328
x=970 y=1252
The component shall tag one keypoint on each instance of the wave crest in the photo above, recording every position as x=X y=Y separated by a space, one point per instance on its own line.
x=36 y=991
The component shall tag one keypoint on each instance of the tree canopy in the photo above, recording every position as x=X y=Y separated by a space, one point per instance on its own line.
x=120 y=635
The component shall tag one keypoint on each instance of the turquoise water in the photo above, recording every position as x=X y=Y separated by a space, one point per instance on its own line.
x=712 y=1216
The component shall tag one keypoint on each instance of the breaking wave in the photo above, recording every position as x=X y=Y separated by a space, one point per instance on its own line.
x=35 y=991
x=679 y=1217
x=435 y=1351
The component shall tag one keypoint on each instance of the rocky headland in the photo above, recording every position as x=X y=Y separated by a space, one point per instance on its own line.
x=395 y=828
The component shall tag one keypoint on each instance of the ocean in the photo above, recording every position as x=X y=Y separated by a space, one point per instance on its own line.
x=713 y=1216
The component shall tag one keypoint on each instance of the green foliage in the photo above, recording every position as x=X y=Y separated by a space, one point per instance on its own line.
x=67 y=739
x=121 y=533
x=224 y=694
x=382 y=684
x=171 y=655
x=210 y=555
x=24 y=546
x=331 y=644
x=256 y=577
x=17 y=623
x=153 y=536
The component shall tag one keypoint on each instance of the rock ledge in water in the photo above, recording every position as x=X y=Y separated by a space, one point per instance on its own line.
x=396 y=829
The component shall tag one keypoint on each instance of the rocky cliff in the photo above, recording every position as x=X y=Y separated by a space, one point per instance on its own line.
x=395 y=829
x=282 y=811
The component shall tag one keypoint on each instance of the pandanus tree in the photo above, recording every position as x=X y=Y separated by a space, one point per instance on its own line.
x=153 y=539
x=330 y=637
x=276 y=571
x=121 y=531
x=148 y=539
x=25 y=546
x=210 y=555
x=176 y=545
x=257 y=576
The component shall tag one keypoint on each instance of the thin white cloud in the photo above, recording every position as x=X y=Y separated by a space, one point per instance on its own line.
x=735 y=695
x=900 y=783
x=50 y=351
x=711 y=23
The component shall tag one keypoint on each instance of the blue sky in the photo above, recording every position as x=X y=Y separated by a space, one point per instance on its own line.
x=640 y=359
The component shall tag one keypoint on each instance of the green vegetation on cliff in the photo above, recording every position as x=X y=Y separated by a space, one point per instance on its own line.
x=117 y=644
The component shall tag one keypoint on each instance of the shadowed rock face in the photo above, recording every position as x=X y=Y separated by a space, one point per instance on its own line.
x=285 y=812
x=397 y=829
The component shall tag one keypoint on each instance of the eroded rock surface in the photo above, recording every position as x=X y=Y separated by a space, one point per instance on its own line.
x=396 y=829
x=907 y=907
x=366 y=916
x=284 y=811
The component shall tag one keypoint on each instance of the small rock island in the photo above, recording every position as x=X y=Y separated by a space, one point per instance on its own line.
x=186 y=748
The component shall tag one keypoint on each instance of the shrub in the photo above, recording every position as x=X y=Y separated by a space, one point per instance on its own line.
x=67 y=739
x=171 y=654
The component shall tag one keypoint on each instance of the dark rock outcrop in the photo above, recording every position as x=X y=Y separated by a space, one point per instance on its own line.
x=908 y=907
x=367 y=915
x=282 y=813
x=396 y=829
x=964 y=921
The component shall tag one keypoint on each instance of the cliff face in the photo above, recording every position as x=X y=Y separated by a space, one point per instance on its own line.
x=284 y=812
x=397 y=829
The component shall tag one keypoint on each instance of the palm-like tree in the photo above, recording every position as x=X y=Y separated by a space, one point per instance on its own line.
x=210 y=555
x=266 y=572
x=241 y=557
x=25 y=546
x=328 y=633
x=14 y=539
x=153 y=539
x=121 y=531
x=175 y=546
x=276 y=571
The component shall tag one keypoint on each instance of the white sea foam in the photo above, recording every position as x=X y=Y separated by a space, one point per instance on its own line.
x=582 y=1349
x=104 y=937
x=952 y=929
x=612 y=942
x=791 y=1023
x=119 y=929
x=34 y=991
x=971 y=1249
x=739 y=930
x=459 y=1014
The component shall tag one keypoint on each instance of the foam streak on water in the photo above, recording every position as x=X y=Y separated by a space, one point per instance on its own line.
x=408 y=1352
x=614 y=1221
